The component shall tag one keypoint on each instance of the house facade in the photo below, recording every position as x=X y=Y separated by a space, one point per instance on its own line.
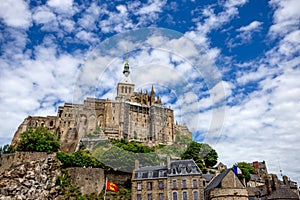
x=178 y=180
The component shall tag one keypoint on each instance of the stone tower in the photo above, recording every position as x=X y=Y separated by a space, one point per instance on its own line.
x=125 y=88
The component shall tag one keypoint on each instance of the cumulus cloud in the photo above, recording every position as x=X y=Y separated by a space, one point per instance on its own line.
x=61 y=6
x=15 y=13
x=286 y=17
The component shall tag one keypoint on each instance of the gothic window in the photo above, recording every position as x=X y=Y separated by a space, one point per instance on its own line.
x=184 y=196
x=139 y=186
x=195 y=195
x=122 y=89
x=129 y=89
x=183 y=183
x=126 y=89
x=175 y=197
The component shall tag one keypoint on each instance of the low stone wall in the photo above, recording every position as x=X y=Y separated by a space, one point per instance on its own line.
x=232 y=194
x=88 y=180
x=119 y=178
x=8 y=160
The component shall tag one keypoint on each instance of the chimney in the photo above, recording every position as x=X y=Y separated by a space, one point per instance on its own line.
x=136 y=164
x=168 y=162
x=275 y=182
x=285 y=180
x=268 y=185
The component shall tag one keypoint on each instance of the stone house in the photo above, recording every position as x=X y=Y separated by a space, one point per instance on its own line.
x=226 y=186
x=179 y=179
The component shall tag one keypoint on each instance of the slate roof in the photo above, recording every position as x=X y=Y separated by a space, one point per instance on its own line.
x=208 y=177
x=178 y=168
x=216 y=181
x=283 y=192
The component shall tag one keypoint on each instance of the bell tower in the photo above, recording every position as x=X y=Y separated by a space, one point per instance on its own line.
x=125 y=88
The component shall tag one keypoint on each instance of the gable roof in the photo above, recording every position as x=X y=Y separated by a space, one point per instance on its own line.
x=216 y=181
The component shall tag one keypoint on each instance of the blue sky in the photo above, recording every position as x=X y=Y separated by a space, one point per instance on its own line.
x=229 y=69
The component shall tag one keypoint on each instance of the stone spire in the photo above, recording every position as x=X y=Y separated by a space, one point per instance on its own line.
x=126 y=71
x=152 y=96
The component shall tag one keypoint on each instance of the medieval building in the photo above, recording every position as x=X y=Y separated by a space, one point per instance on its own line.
x=132 y=115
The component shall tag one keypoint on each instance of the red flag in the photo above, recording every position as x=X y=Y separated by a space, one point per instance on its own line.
x=111 y=186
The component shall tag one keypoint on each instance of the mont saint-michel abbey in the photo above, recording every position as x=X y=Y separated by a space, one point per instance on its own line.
x=138 y=116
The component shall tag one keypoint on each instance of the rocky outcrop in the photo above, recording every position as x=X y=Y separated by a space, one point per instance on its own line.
x=31 y=180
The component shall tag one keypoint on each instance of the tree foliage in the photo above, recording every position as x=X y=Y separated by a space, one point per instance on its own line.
x=7 y=149
x=202 y=154
x=40 y=139
x=121 y=154
x=135 y=147
x=123 y=160
x=246 y=169
x=81 y=158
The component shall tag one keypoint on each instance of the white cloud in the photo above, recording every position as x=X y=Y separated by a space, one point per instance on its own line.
x=245 y=34
x=62 y=6
x=251 y=27
x=15 y=13
x=149 y=12
x=43 y=15
x=117 y=21
x=286 y=17
x=35 y=84
x=87 y=37
x=89 y=18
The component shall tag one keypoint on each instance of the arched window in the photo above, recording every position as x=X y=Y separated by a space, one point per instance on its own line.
x=184 y=196
x=122 y=89
x=126 y=89
x=175 y=197
x=195 y=195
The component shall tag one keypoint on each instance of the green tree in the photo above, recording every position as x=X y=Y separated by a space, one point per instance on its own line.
x=81 y=158
x=40 y=139
x=211 y=158
x=246 y=169
x=123 y=160
x=203 y=155
x=7 y=149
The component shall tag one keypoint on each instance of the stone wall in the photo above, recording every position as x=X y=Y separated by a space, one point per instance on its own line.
x=8 y=160
x=88 y=180
x=232 y=194
x=34 y=179
x=119 y=178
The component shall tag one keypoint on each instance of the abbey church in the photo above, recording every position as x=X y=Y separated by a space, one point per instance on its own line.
x=137 y=116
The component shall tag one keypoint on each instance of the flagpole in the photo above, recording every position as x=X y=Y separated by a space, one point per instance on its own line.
x=105 y=188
